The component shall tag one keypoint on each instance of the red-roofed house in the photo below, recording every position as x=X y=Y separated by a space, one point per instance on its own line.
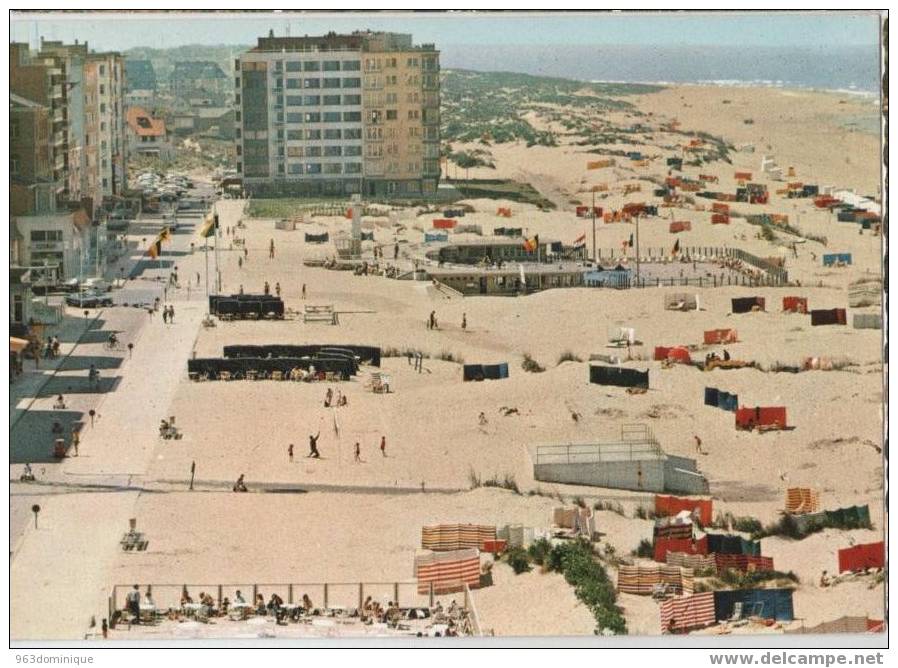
x=147 y=135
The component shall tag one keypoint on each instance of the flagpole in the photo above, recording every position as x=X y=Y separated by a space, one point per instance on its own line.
x=593 y=224
x=637 y=250
x=216 y=232
x=206 y=254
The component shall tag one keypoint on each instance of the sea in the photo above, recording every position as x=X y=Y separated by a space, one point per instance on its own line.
x=846 y=69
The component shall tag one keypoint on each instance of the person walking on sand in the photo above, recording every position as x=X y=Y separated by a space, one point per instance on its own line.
x=464 y=321
x=698 y=444
x=245 y=253
x=290 y=453
x=313 y=446
x=303 y=290
x=76 y=439
x=171 y=314
x=383 y=445
x=271 y=249
x=240 y=263
x=197 y=278
x=358 y=452
x=267 y=288
x=277 y=289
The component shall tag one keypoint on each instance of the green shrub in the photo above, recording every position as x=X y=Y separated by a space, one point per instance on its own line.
x=539 y=551
x=518 y=560
x=576 y=561
x=645 y=549
x=531 y=365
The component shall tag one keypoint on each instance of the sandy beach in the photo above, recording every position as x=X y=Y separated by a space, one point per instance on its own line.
x=346 y=521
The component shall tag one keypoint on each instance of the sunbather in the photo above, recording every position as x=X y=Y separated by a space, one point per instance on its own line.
x=60 y=403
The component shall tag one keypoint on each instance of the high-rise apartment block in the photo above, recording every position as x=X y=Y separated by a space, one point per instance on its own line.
x=338 y=114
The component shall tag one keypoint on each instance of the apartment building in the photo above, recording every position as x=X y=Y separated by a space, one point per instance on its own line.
x=104 y=126
x=338 y=114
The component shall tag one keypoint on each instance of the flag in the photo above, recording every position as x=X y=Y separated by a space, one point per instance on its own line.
x=581 y=240
x=532 y=244
x=155 y=249
x=208 y=226
x=676 y=248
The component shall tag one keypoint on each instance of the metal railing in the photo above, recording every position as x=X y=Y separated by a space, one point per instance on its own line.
x=324 y=595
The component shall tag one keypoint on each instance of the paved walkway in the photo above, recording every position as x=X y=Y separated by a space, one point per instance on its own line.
x=59 y=571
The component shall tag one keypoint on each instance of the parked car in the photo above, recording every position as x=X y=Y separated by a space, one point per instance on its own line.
x=88 y=299
x=97 y=285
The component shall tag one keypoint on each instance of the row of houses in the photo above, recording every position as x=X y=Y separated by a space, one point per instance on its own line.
x=67 y=157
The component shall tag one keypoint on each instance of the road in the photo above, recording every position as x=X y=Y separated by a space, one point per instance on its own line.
x=86 y=500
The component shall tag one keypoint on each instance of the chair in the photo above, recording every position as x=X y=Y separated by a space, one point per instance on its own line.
x=737 y=612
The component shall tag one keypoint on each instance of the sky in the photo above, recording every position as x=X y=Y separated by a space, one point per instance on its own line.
x=107 y=31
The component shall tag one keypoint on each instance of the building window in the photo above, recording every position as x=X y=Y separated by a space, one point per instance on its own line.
x=352 y=65
x=353 y=100
x=352 y=116
x=352 y=82
x=391 y=98
x=311 y=66
x=294 y=83
x=333 y=134
x=333 y=168
x=105 y=183
x=391 y=114
x=331 y=100
x=331 y=65
x=295 y=168
x=102 y=70
x=278 y=66
x=311 y=100
x=313 y=168
x=294 y=100
x=313 y=151
x=294 y=135
x=352 y=150
x=102 y=89
x=294 y=117
x=313 y=135
x=313 y=117
x=18 y=308
x=331 y=83
x=352 y=133
x=311 y=83
x=102 y=107
x=333 y=151
x=294 y=66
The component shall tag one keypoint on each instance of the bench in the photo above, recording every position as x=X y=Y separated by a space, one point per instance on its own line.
x=320 y=313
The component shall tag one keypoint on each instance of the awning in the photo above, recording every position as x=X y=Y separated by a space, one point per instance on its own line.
x=17 y=345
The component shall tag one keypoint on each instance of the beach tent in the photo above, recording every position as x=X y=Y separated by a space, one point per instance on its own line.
x=747 y=304
x=844 y=624
x=833 y=316
x=316 y=238
x=867 y=321
x=795 y=304
x=686 y=613
x=443 y=223
x=447 y=572
x=580 y=519
x=667 y=506
x=719 y=543
x=430 y=237
x=801 y=500
x=680 y=226
x=687 y=545
x=367 y=236
x=719 y=336
x=676 y=354
x=836 y=259
x=642 y=579
x=766 y=603
x=484 y=371
x=862 y=557
x=770 y=416
x=727 y=401
x=442 y=537
x=618 y=376
x=677 y=527
x=744 y=563
x=697 y=562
